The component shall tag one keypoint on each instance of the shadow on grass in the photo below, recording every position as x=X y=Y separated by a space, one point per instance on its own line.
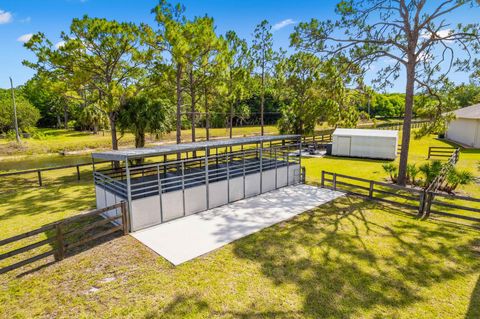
x=69 y=239
x=344 y=264
x=193 y=306
x=474 y=306
x=49 y=200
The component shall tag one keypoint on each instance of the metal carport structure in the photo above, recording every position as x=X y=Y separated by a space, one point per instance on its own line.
x=168 y=182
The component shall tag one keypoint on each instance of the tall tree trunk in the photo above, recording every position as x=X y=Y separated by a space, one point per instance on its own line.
x=231 y=105
x=59 y=121
x=231 y=119
x=179 y=102
x=139 y=139
x=194 y=102
x=409 y=95
x=65 y=117
x=207 y=115
x=113 y=117
x=262 y=100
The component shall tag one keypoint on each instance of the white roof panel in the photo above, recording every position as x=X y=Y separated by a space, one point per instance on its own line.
x=470 y=112
x=364 y=132
x=121 y=155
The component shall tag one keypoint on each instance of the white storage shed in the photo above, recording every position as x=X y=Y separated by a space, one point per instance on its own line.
x=381 y=144
x=465 y=128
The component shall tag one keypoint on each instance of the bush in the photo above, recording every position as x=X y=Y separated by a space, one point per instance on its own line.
x=430 y=171
x=392 y=171
x=27 y=114
x=455 y=177
x=412 y=173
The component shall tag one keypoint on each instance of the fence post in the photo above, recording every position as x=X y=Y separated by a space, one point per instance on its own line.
x=39 y=173
x=429 y=150
x=334 y=181
x=78 y=172
x=370 y=191
x=421 y=204
x=60 y=242
x=123 y=210
x=429 y=204
x=304 y=173
x=322 y=182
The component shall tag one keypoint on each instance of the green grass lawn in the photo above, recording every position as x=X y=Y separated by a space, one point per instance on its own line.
x=346 y=259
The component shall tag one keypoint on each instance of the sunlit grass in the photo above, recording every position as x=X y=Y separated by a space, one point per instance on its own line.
x=346 y=259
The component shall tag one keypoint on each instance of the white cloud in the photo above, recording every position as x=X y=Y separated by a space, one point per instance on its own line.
x=439 y=34
x=282 y=24
x=25 y=38
x=60 y=44
x=5 y=17
x=26 y=20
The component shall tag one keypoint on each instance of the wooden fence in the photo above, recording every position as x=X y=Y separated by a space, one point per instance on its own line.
x=399 y=126
x=39 y=171
x=424 y=202
x=440 y=151
x=64 y=235
x=374 y=190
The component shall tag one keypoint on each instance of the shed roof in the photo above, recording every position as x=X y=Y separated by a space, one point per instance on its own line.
x=132 y=153
x=365 y=132
x=469 y=112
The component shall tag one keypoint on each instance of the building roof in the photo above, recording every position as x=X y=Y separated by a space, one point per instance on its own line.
x=469 y=112
x=364 y=132
x=132 y=153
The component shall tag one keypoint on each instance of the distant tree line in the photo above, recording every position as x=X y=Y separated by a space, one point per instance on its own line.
x=182 y=74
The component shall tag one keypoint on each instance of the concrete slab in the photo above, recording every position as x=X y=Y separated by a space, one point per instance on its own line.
x=183 y=239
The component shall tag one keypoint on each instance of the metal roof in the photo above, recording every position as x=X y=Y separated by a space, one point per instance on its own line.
x=365 y=132
x=469 y=112
x=132 y=153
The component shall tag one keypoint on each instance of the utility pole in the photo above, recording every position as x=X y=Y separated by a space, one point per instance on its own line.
x=17 y=135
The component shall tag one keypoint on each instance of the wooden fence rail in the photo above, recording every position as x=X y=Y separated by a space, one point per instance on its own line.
x=39 y=171
x=66 y=234
x=440 y=151
x=423 y=201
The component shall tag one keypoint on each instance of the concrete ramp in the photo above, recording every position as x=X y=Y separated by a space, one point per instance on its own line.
x=183 y=239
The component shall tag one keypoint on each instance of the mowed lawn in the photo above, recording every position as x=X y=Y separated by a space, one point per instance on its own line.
x=346 y=259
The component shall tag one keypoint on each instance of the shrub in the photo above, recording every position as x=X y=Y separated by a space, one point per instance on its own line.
x=392 y=171
x=412 y=173
x=455 y=177
x=430 y=171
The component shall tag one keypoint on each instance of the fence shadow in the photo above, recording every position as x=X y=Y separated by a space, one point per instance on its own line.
x=336 y=252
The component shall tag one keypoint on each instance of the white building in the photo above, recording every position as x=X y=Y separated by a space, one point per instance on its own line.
x=381 y=144
x=465 y=128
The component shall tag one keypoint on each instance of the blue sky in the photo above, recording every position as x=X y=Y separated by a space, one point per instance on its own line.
x=19 y=18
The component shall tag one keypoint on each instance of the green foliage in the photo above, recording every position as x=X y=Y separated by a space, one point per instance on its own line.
x=430 y=171
x=143 y=114
x=27 y=114
x=392 y=171
x=388 y=105
x=105 y=57
x=50 y=99
x=412 y=173
x=456 y=177
x=466 y=94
